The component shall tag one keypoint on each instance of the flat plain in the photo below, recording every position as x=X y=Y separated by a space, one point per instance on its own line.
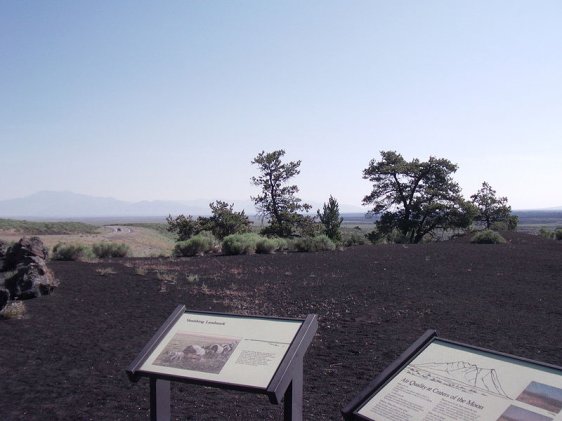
x=67 y=358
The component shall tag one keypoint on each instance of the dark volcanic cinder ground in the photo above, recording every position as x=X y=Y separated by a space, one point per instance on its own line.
x=67 y=359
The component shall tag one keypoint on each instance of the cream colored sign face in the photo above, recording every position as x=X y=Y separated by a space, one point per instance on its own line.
x=450 y=382
x=227 y=349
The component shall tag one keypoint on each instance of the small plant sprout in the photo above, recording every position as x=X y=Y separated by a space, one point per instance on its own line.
x=192 y=278
x=105 y=271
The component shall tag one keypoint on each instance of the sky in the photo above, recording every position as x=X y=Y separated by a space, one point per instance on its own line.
x=143 y=100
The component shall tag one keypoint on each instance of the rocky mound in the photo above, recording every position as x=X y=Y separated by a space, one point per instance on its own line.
x=24 y=272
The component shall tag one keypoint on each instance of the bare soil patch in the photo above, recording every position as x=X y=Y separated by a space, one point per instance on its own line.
x=66 y=359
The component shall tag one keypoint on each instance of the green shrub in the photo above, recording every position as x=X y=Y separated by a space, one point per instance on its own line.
x=353 y=238
x=551 y=235
x=393 y=237
x=199 y=244
x=266 y=245
x=543 y=232
x=63 y=251
x=270 y=245
x=241 y=243
x=103 y=250
x=487 y=237
x=317 y=243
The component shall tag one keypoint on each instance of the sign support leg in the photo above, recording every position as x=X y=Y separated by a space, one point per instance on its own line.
x=159 y=400
x=293 y=400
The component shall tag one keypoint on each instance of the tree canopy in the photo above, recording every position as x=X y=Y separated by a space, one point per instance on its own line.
x=415 y=198
x=278 y=201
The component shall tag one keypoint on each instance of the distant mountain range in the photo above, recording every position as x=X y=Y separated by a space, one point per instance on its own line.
x=56 y=204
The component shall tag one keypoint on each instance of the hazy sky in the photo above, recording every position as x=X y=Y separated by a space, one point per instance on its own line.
x=172 y=100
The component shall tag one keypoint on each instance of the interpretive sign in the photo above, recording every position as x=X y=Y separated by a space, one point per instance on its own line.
x=438 y=379
x=248 y=353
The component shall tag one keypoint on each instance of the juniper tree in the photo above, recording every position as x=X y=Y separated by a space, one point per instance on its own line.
x=331 y=219
x=492 y=209
x=278 y=201
x=224 y=220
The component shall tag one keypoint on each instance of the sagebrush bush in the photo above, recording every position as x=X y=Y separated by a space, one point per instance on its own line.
x=354 y=238
x=392 y=237
x=240 y=243
x=103 y=250
x=63 y=251
x=270 y=245
x=551 y=235
x=487 y=237
x=317 y=243
x=199 y=244
x=543 y=232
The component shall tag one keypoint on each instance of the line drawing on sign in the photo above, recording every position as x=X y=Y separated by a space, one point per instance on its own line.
x=461 y=375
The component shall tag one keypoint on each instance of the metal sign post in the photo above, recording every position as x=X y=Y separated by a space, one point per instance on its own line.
x=159 y=399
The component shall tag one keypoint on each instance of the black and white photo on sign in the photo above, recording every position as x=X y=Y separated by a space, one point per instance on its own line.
x=205 y=353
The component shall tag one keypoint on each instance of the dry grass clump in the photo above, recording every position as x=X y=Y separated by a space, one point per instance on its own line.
x=14 y=310
x=105 y=271
x=166 y=277
x=141 y=271
x=192 y=278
